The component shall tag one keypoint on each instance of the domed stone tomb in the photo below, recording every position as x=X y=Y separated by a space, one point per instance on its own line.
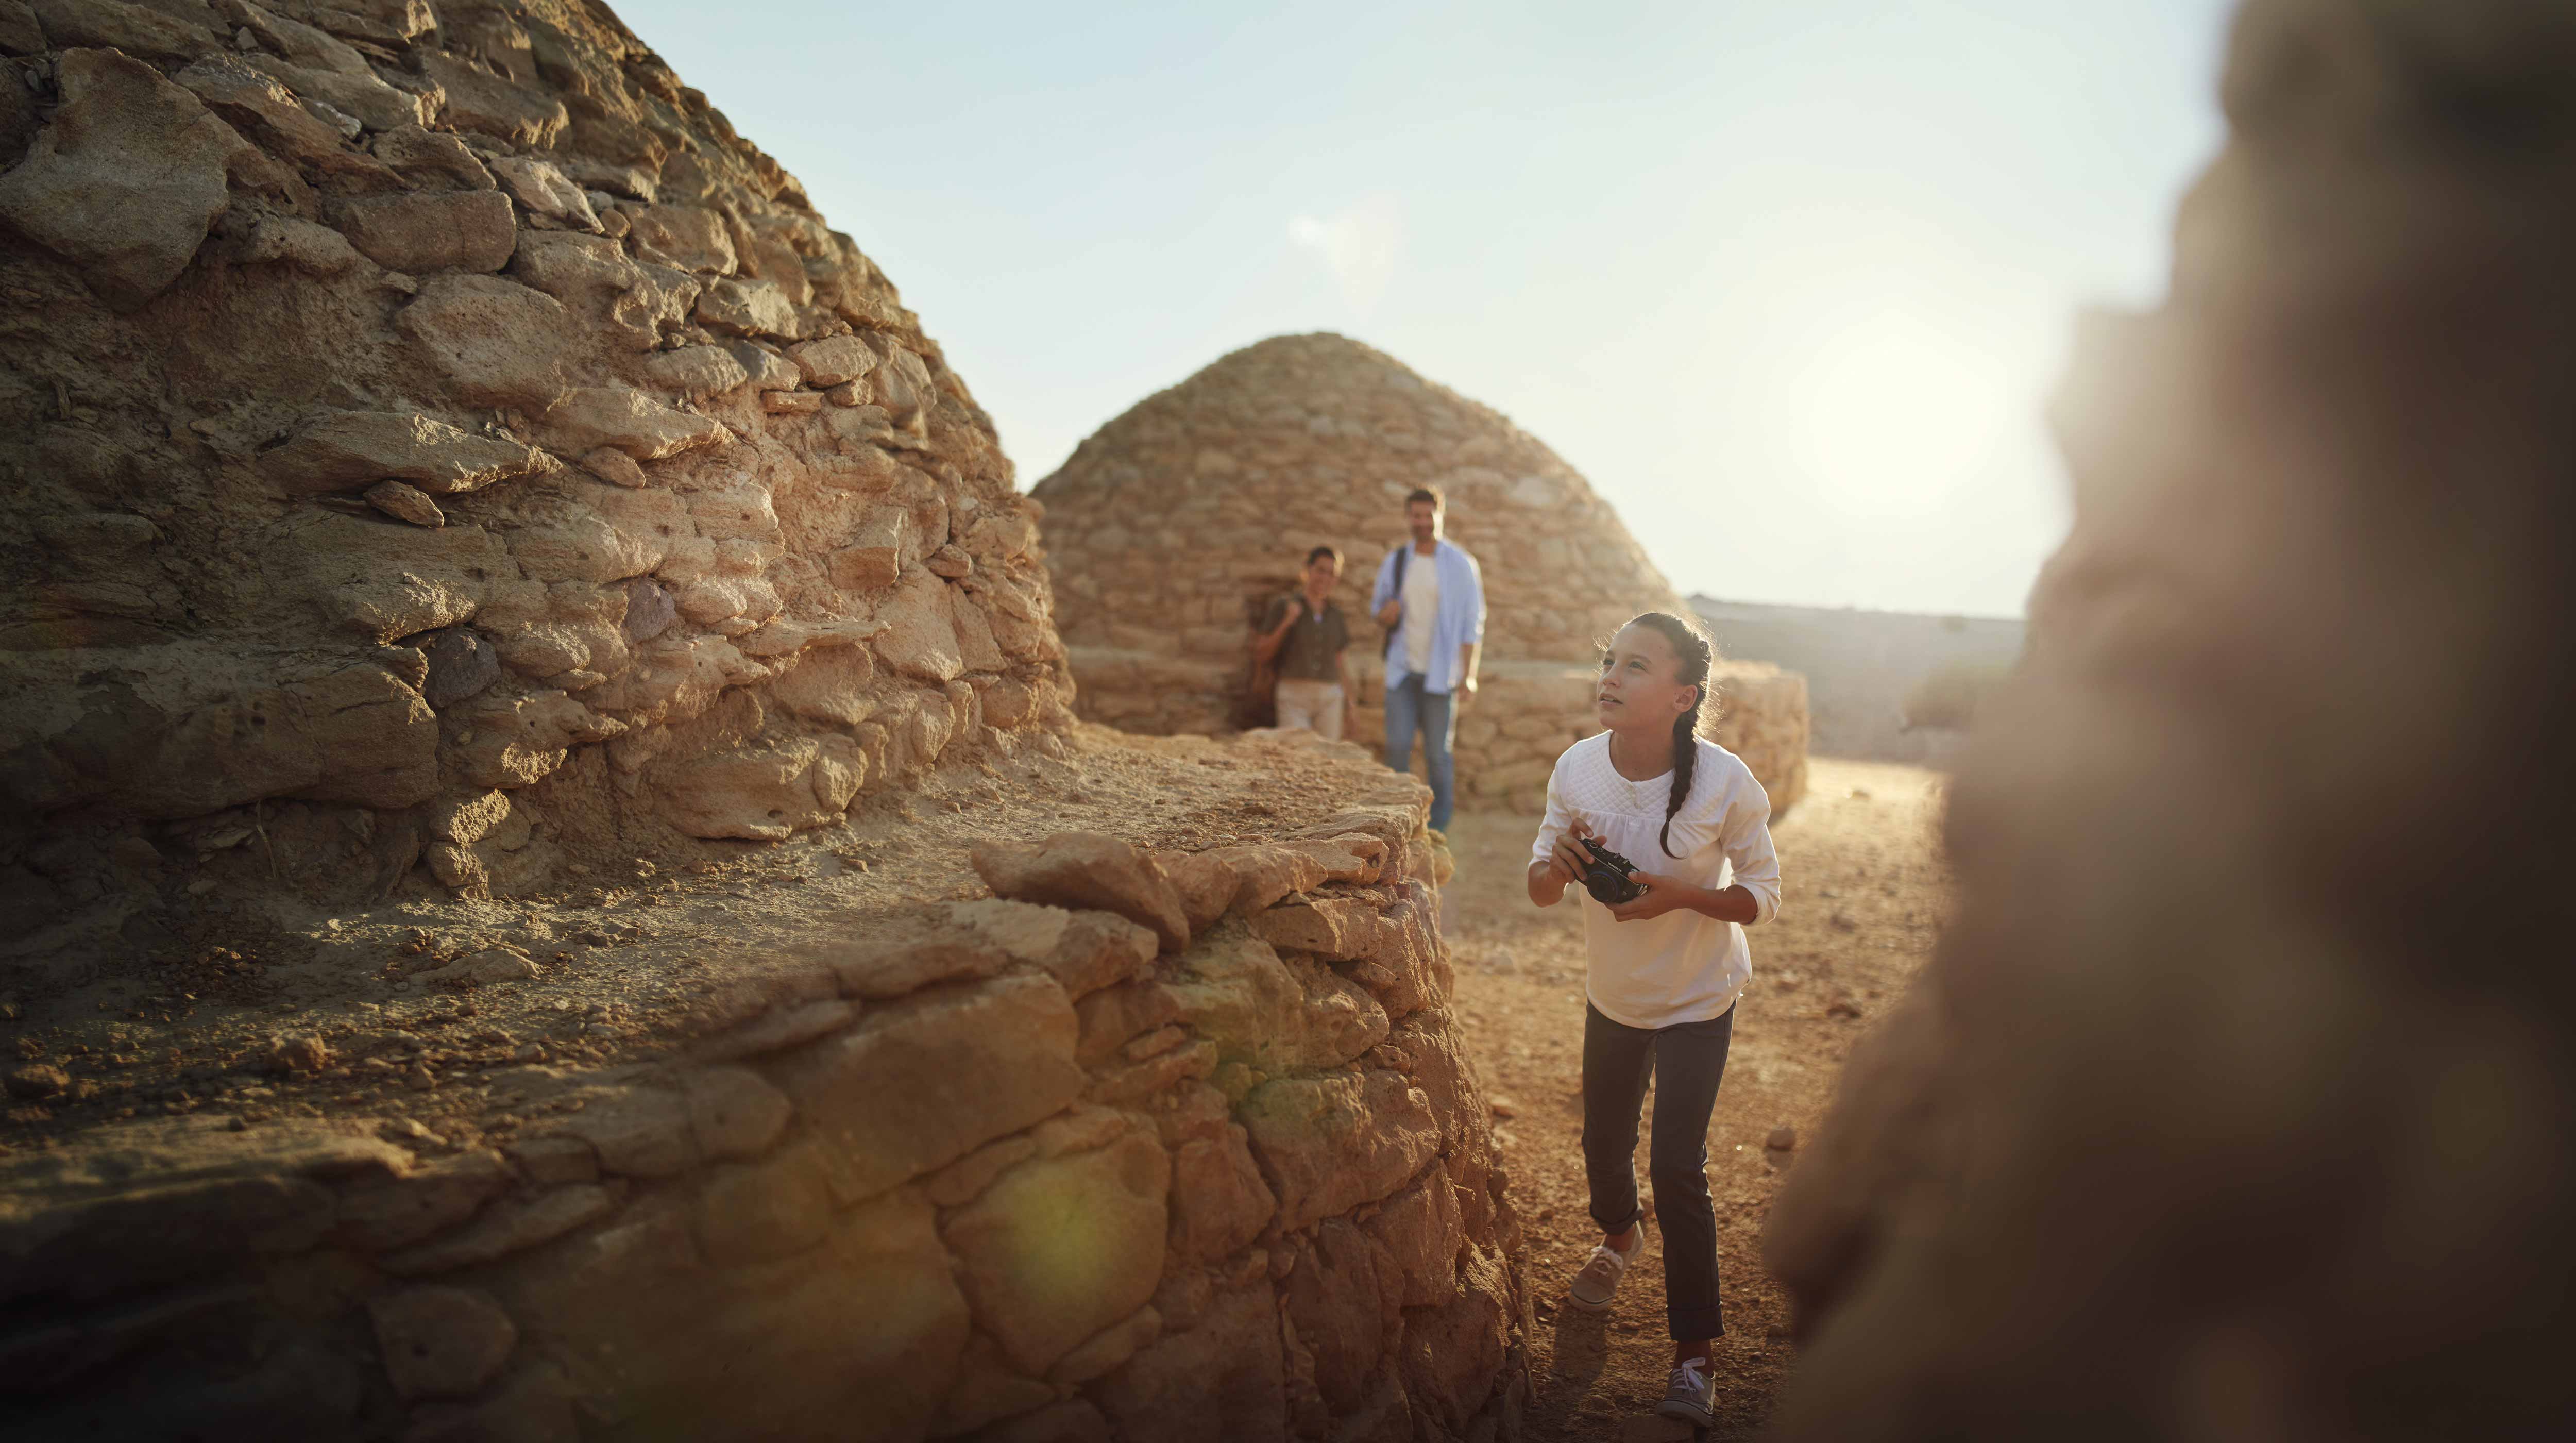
x=445 y=417
x=1173 y=526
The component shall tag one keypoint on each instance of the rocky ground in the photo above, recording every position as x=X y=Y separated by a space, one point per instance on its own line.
x=431 y=1017
x=1863 y=890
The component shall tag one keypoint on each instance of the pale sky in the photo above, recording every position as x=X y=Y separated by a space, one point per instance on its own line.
x=1788 y=280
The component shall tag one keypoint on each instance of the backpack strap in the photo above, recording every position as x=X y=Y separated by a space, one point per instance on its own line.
x=1403 y=554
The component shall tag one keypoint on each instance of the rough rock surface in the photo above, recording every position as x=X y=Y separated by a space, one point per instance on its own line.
x=1174 y=526
x=980 y=1168
x=2206 y=1122
x=392 y=401
x=459 y=488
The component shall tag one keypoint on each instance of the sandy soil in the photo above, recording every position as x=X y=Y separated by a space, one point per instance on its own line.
x=630 y=956
x=1862 y=894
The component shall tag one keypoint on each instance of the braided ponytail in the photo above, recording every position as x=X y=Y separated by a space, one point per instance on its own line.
x=1693 y=653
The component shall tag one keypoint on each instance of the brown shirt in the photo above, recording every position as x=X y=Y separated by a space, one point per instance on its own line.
x=1313 y=650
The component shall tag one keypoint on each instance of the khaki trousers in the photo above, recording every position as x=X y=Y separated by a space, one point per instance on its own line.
x=1314 y=705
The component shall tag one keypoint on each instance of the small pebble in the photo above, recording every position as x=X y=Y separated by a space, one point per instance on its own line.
x=1783 y=1138
x=411 y=1131
x=37 y=1080
x=306 y=1053
x=405 y=503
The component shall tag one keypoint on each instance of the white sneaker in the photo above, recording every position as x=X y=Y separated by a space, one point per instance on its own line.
x=1599 y=1280
x=1691 y=1396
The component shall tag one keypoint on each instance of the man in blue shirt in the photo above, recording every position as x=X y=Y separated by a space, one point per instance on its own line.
x=1431 y=599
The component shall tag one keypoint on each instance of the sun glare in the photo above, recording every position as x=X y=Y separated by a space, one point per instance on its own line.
x=1896 y=415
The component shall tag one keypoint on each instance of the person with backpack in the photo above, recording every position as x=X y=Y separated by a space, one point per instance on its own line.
x=1302 y=645
x=1430 y=597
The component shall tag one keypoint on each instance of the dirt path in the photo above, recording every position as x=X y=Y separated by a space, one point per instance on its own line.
x=1862 y=894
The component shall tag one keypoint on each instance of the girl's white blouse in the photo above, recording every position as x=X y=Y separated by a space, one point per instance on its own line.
x=1683 y=966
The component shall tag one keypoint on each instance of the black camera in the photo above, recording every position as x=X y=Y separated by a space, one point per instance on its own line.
x=1610 y=878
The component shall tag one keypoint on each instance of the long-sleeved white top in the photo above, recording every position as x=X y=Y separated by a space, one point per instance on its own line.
x=1683 y=966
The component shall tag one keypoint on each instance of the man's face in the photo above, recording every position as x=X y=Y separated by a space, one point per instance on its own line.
x=1322 y=573
x=1424 y=518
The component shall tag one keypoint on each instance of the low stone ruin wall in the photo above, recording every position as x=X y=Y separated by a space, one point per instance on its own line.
x=1525 y=715
x=1144 y=1147
x=1153 y=694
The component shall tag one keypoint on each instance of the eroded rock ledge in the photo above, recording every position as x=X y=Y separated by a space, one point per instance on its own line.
x=1148 y=1146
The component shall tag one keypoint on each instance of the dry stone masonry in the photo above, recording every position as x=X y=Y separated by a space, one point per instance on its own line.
x=1145 y=1147
x=1173 y=526
x=445 y=461
x=436 y=439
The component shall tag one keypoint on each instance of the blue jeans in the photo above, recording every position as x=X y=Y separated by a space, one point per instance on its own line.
x=1409 y=707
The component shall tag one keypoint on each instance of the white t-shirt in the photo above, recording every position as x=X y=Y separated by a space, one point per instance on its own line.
x=1421 y=609
x=1683 y=966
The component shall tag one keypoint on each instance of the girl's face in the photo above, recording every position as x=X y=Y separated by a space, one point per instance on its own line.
x=1638 y=691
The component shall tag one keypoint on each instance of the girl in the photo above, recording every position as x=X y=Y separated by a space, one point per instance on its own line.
x=1665 y=969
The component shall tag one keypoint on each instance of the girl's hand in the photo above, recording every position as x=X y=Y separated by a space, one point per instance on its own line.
x=1570 y=856
x=1662 y=894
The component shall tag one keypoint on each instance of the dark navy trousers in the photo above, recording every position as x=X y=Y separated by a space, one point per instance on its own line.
x=1691 y=1059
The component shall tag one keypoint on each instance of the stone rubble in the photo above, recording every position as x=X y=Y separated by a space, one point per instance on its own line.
x=1174 y=526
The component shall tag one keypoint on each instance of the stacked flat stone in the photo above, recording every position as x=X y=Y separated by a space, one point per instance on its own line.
x=1151 y=1147
x=434 y=432
x=1175 y=525
x=435 y=439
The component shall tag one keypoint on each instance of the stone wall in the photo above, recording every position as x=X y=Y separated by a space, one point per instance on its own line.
x=1526 y=714
x=434 y=433
x=1172 y=528
x=1143 y=1148
x=446 y=460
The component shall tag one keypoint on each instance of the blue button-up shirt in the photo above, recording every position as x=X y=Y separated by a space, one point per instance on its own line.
x=1461 y=621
